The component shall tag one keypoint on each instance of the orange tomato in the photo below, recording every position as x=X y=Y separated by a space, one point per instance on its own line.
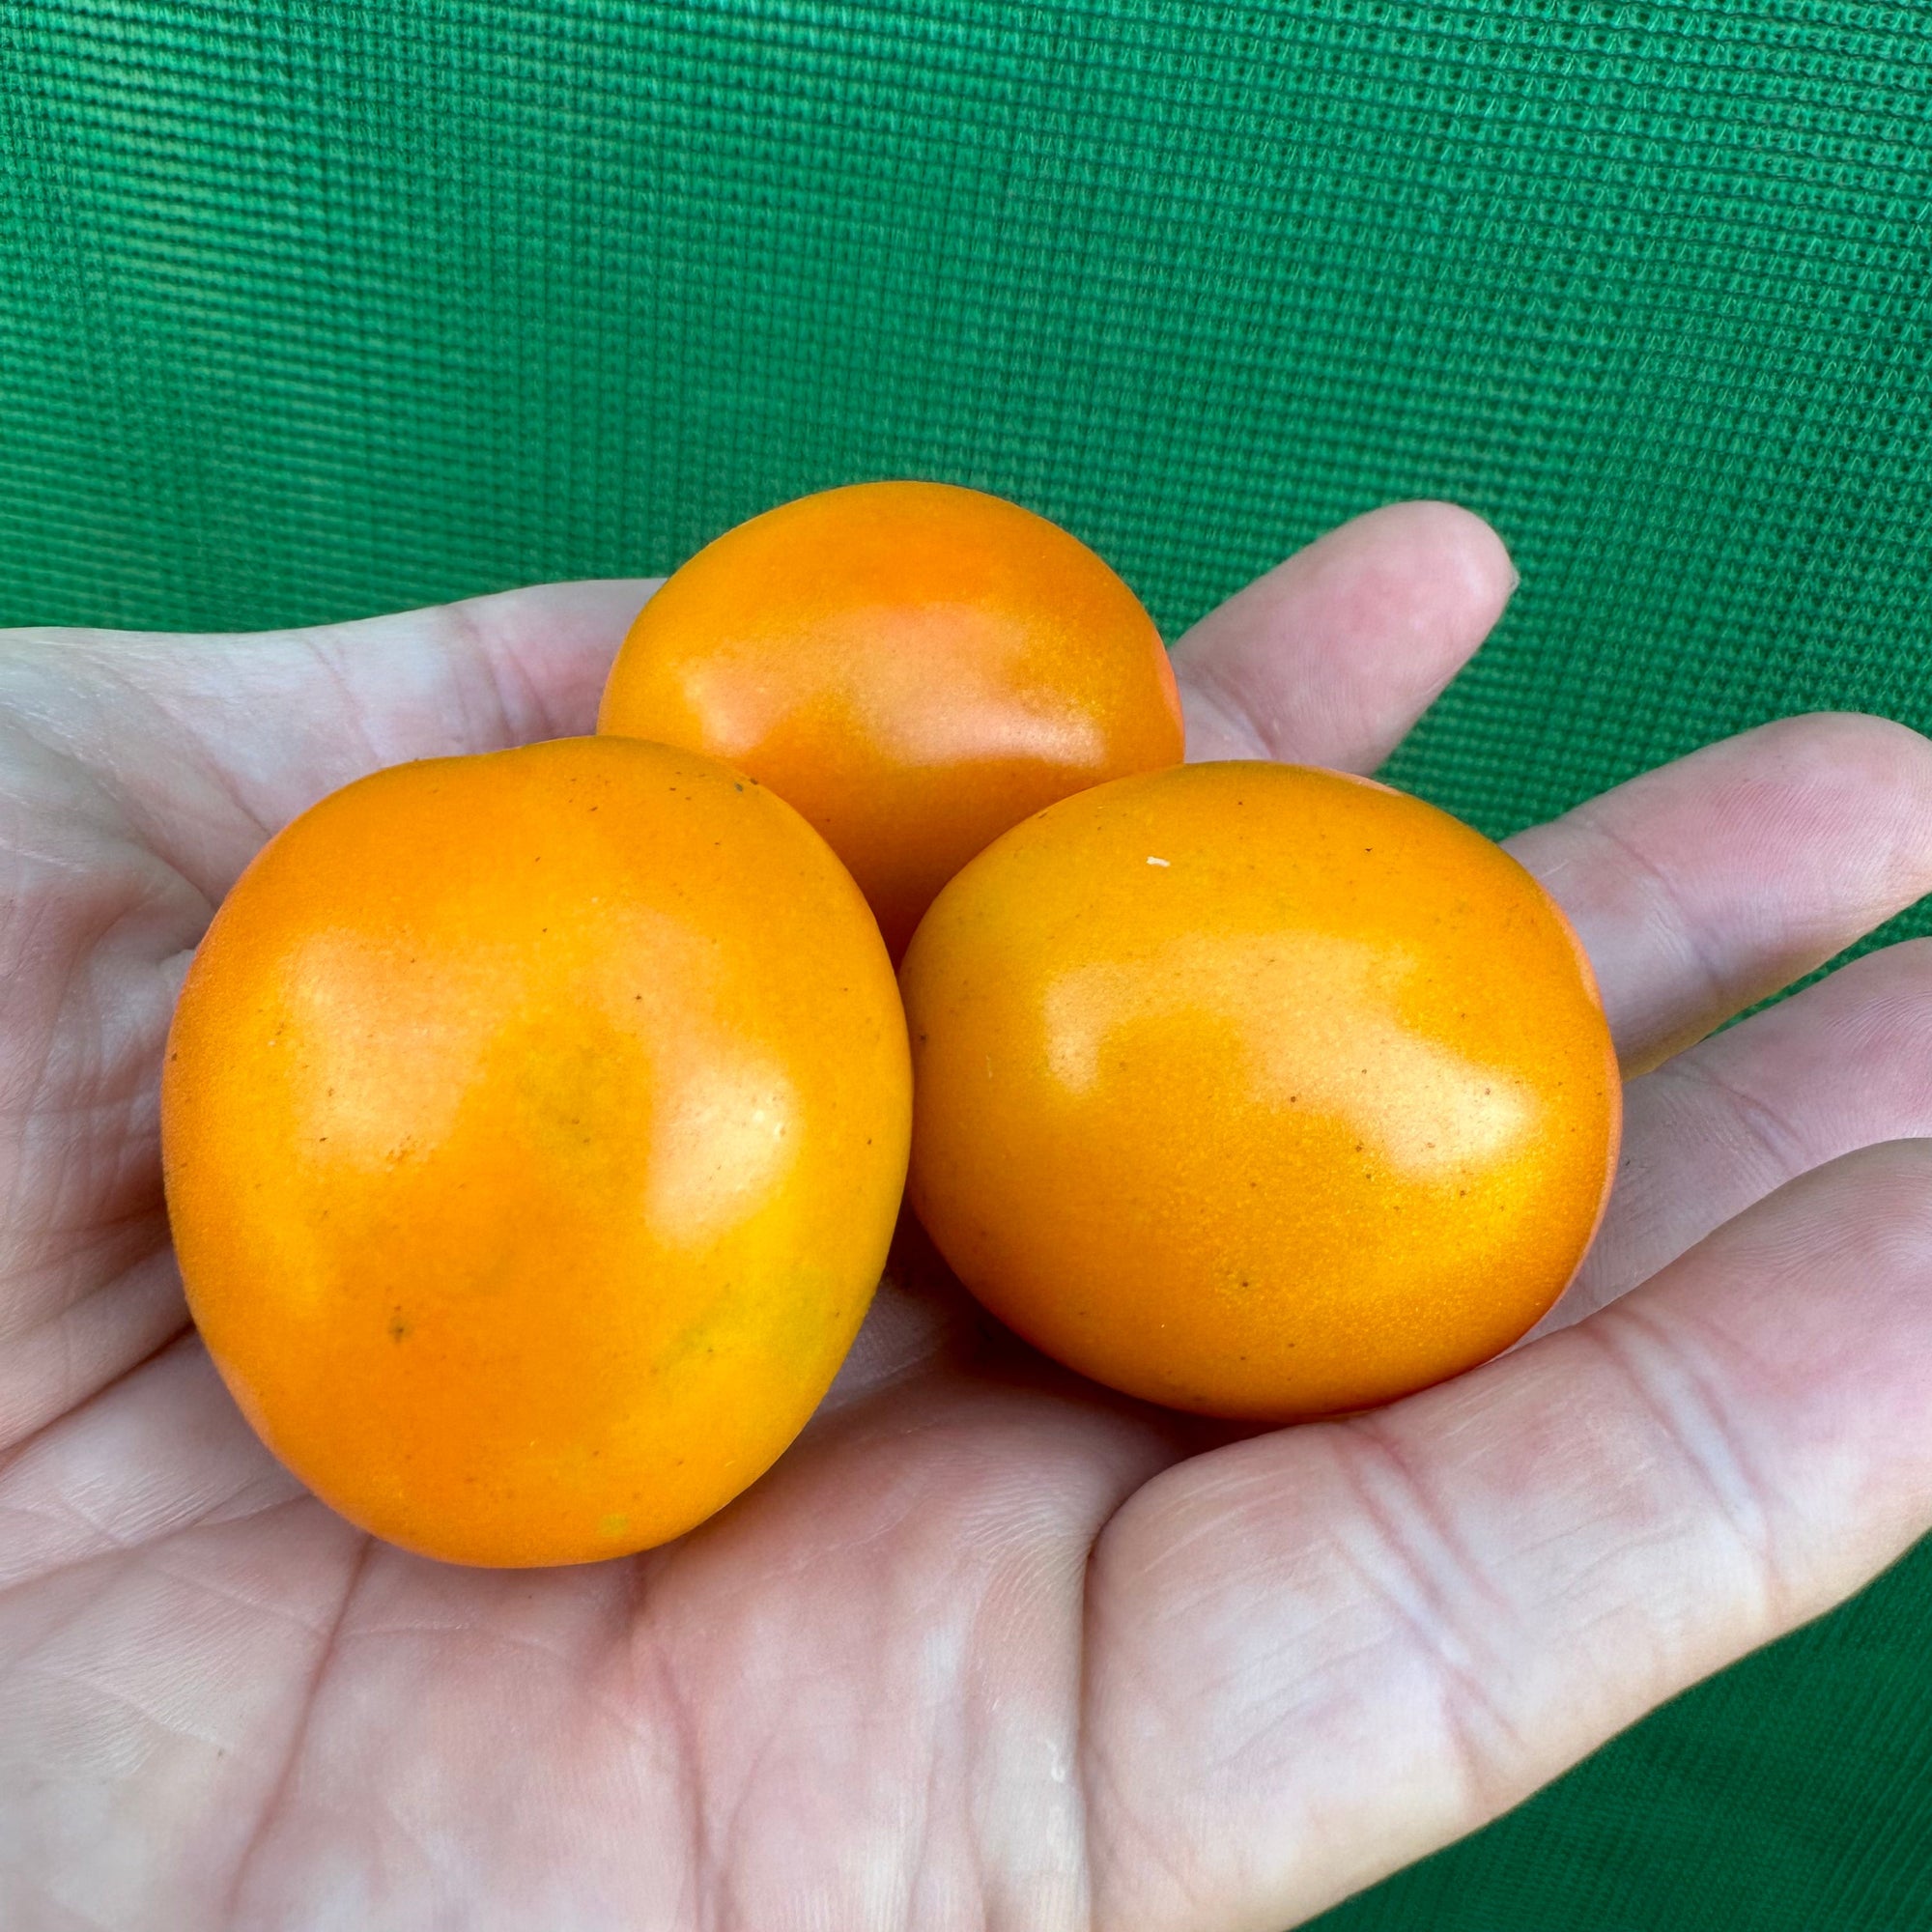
x=914 y=667
x=534 y=1126
x=1257 y=1090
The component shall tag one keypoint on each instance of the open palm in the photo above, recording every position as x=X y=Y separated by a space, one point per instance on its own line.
x=990 y=1648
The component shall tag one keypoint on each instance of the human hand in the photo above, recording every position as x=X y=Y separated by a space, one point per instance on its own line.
x=991 y=1647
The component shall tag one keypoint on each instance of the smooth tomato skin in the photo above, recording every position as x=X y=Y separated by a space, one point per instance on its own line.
x=1258 y=1090
x=533 y=1128
x=915 y=666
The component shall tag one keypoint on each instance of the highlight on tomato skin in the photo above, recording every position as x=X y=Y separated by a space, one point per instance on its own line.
x=534 y=1126
x=916 y=666
x=1258 y=1090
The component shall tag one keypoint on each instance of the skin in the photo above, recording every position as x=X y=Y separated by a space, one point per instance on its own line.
x=988 y=1647
x=533 y=1127
x=1258 y=1090
x=915 y=666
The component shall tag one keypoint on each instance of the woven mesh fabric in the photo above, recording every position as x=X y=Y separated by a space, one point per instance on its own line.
x=314 y=311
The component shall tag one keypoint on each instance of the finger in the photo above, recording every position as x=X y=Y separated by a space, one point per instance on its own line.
x=1703 y=886
x=1842 y=1066
x=285 y=716
x=1333 y=655
x=1324 y=1653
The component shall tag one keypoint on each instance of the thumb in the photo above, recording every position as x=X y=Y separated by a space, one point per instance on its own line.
x=282 y=717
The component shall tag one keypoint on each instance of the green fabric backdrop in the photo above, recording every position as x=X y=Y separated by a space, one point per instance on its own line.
x=312 y=310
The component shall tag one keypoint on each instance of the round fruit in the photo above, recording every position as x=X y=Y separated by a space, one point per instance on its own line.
x=914 y=667
x=534 y=1126
x=1258 y=1090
